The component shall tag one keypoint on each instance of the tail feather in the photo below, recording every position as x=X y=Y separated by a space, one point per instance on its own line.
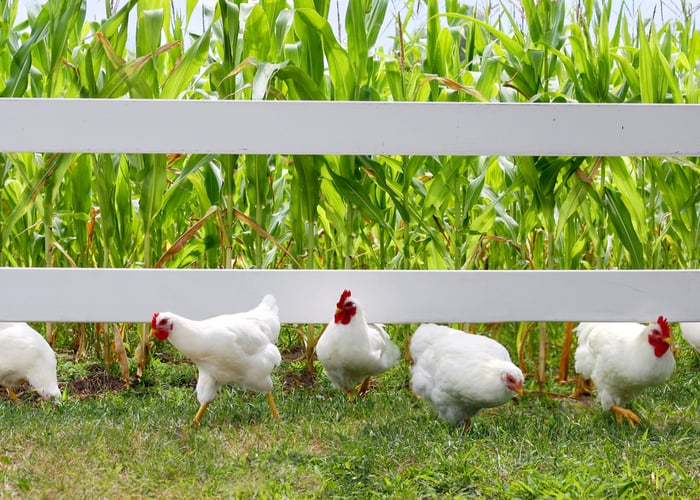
x=267 y=316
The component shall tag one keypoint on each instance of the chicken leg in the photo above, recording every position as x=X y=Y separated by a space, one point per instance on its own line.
x=272 y=405
x=583 y=387
x=11 y=393
x=624 y=412
x=363 y=387
x=201 y=411
x=351 y=395
x=467 y=426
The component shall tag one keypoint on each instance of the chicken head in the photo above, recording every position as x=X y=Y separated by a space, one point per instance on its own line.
x=660 y=337
x=345 y=309
x=161 y=326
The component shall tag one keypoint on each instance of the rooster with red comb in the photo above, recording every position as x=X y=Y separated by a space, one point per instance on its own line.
x=622 y=359
x=351 y=350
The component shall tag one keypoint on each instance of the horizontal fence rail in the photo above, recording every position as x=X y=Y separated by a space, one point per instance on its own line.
x=133 y=295
x=299 y=127
x=316 y=127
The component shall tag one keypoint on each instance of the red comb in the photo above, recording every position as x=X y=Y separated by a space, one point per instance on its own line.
x=153 y=321
x=663 y=323
x=343 y=297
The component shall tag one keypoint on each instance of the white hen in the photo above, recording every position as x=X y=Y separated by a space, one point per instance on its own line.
x=622 y=359
x=459 y=373
x=236 y=349
x=351 y=351
x=691 y=334
x=25 y=355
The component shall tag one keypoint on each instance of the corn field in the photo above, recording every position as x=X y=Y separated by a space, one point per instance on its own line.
x=335 y=212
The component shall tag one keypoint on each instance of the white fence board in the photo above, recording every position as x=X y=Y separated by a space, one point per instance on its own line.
x=262 y=127
x=133 y=295
x=315 y=127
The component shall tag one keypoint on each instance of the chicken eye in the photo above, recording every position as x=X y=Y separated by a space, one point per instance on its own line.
x=162 y=322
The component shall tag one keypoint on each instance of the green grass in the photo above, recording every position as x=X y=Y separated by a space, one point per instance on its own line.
x=140 y=443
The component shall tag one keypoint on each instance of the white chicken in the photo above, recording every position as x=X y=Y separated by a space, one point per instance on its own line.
x=691 y=334
x=459 y=373
x=622 y=359
x=25 y=355
x=236 y=349
x=351 y=351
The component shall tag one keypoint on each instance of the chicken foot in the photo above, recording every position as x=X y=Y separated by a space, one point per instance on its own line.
x=624 y=412
x=351 y=395
x=363 y=388
x=11 y=393
x=272 y=405
x=583 y=387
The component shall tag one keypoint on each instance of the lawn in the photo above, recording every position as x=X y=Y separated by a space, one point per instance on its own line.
x=137 y=442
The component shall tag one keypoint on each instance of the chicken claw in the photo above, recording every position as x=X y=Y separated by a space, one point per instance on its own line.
x=620 y=412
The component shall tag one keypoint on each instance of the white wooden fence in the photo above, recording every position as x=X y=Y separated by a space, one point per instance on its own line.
x=132 y=295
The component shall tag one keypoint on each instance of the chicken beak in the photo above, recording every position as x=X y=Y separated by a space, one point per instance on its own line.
x=338 y=310
x=674 y=348
x=153 y=332
x=519 y=389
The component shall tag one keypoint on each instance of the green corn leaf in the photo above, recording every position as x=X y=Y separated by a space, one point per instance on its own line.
x=353 y=192
x=190 y=65
x=307 y=184
x=304 y=87
x=256 y=36
x=283 y=26
x=357 y=38
x=261 y=80
x=375 y=20
x=16 y=83
x=339 y=64
x=622 y=222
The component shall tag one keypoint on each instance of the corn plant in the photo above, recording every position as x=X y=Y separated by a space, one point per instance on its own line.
x=330 y=211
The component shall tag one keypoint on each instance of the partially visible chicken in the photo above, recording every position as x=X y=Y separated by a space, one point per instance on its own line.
x=459 y=373
x=622 y=359
x=25 y=355
x=691 y=334
x=236 y=349
x=351 y=351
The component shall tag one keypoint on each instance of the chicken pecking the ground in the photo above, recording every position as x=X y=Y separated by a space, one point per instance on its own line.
x=25 y=355
x=237 y=349
x=622 y=359
x=460 y=373
x=351 y=351
x=691 y=334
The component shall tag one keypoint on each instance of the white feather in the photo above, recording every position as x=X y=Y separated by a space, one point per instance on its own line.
x=691 y=334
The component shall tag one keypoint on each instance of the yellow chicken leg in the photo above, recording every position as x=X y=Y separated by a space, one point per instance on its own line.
x=351 y=395
x=201 y=411
x=583 y=387
x=363 y=387
x=272 y=405
x=11 y=393
x=467 y=426
x=620 y=412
